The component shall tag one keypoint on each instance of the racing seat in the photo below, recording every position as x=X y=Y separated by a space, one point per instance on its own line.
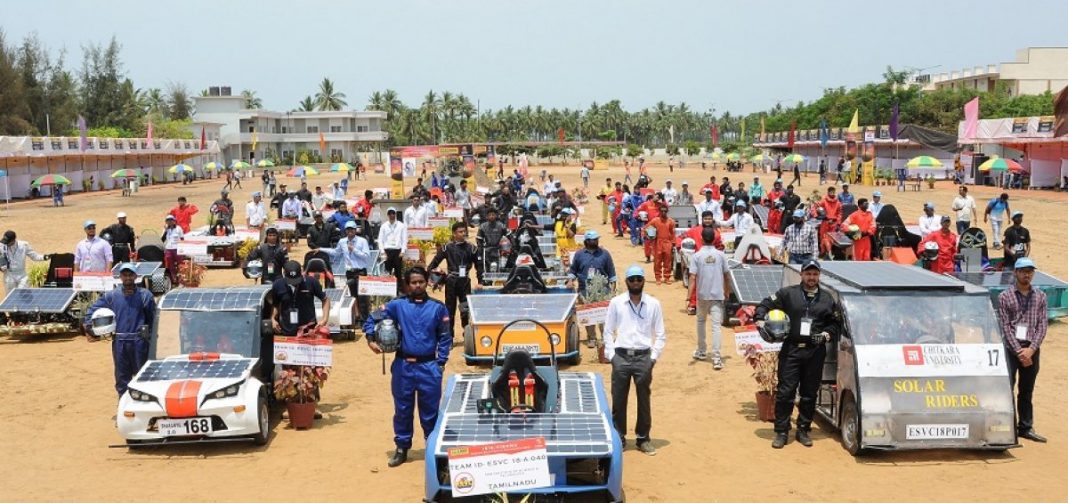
x=150 y=253
x=524 y=279
x=60 y=271
x=317 y=264
x=753 y=248
x=523 y=365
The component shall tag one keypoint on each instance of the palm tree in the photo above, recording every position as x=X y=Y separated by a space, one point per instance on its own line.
x=252 y=102
x=375 y=101
x=155 y=103
x=306 y=105
x=430 y=109
x=327 y=98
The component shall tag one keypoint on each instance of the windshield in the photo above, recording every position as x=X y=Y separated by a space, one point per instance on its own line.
x=921 y=318
x=184 y=332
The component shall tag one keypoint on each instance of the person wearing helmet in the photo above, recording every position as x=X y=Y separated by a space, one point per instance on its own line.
x=740 y=220
x=1023 y=319
x=865 y=229
x=134 y=311
x=815 y=318
x=419 y=363
x=13 y=255
x=272 y=254
x=800 y=241
x=634 y=339
x=947 y=247
x=663 y=244
x=710 y=284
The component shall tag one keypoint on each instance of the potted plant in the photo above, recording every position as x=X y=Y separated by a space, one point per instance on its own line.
x=930 y=179
x=298 y=386
x=766 y=373
x=190 y=273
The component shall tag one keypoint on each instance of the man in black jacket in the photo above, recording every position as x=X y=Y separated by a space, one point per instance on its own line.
x=272 y=254
x=278 y=198
x=790 y=201
x=122 y=238
x=815 y=318
x=459 y=257
x=489 y=237
x=322 y=234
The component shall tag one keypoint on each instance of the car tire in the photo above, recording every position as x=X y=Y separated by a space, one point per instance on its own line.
x=263 y=419
x=573 y=345
x=849 y=427
x=469 y=341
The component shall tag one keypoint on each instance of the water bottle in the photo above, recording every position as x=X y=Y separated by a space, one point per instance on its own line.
x=388 y=336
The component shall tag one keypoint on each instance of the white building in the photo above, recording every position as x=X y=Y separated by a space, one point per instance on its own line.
x=344 y=133
x=1034 y=71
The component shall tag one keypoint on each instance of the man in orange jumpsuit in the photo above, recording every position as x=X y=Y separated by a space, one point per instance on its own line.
x=775 y=194
x=663 y=245
x=708 y=220
x=832 y=209
x=866 y=221
x=947 y=247
x=618 y=195
x=651 y=209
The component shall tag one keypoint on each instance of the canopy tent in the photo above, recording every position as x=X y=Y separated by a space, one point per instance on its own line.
x=1045 y=157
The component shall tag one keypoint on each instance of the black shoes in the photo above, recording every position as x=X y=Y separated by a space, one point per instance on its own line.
x=398 y=458
x=1031 y=435
x=780 y=440
x=803 y=438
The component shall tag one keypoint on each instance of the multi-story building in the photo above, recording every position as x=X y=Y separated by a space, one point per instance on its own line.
x=252 y=135
x=1035 y=71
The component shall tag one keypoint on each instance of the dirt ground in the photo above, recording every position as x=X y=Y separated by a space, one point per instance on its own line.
x=56 y=423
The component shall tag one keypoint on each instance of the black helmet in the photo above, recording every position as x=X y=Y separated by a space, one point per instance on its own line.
x=776 y=326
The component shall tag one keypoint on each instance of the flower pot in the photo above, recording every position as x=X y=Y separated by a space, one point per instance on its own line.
x=765 y=406
x=301 y=414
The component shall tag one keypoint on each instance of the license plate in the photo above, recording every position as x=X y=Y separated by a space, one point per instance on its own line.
x=936 y=431
x=184 y=427
x=529 y=348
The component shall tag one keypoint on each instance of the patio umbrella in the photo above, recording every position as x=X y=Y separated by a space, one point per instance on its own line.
x=180 y=168
x=341 y=167
x=924 y=161
x=757 y=158
x=300 y=171
x=997 y=163
x=718 y=156
x=794 y=158
x=265 y=163
x=50 y=180
x=240 y=165
x=734 y=156
x=125 y=173
x=214 y=165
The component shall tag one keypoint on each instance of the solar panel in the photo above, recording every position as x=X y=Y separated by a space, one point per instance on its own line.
x=760 y=212
x=490 y=308
x=887 y=275
x=1006 y=278
x=173 y=370
x=335 y=294
x=751 y=284
x=44 y=300
x=141 y=268
x=215 y=299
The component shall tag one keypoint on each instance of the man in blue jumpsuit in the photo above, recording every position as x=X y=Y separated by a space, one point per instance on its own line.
x=135 y=309
x=425 y=341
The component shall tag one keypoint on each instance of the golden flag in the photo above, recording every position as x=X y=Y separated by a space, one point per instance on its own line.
x=854 y=125
x=743 y=128
x=762 y=137
x=255 y=140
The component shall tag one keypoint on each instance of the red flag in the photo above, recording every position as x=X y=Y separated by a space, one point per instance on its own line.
x=560 y=135
x=322 y=145
x=150 y=133
x=971 y=118
x=713 y=133
x=790 y=138
x=1060 y=111
x=203 y=139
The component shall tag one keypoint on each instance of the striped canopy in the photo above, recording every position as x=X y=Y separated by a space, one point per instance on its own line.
x=125 y=173
x=180 y=168
x=997 y=163
x=794 y=158
x=341 y=167
x=50 y=180
x=924 y=161
x=300 y=171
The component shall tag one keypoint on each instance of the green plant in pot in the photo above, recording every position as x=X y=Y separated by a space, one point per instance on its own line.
x=766 y=374
x=298 y=386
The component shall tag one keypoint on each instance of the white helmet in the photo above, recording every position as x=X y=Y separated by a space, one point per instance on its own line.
x=103 y=322
x=643 y=215
x=254 y=269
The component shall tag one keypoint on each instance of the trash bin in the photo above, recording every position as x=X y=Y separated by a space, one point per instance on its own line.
x=133 y=185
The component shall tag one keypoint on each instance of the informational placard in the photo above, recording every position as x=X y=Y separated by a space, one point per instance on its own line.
x=412 y=253
x=482 y=190
x=286 y=224
x=243 y=234
x=193 y=247
x=748 y=336
x=437 y=222
x=501 y=467
x=421 y=233
x=94 y=281
x=593 y=313
x=931 y=360
x=453 y=212
x=309 y=352
x=378 y=285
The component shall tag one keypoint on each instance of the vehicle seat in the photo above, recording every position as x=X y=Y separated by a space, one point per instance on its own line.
x=150 y=253
x=523 y=365
x=60 y=270
x=316 y=265
x=524 y=279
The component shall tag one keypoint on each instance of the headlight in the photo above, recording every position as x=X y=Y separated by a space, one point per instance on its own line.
x=554 y=338
x=485 y=341
x=141 y=396
x=226 y=392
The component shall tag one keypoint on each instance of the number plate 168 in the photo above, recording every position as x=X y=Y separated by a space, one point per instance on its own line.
x=184 y=427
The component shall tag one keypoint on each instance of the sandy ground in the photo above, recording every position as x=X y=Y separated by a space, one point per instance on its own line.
x=55 y=425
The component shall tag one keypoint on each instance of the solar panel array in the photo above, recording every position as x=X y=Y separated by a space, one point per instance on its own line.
x=489 y=308
x=174 y=370
x=760 y=212
x=214 y=299
x=141 y=268
x=1006 y=278
x=335 y=294
x=886 y=275
x=751 y=284
x=44 y=300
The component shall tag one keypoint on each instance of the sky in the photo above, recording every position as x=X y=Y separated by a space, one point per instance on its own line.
x=722 y=55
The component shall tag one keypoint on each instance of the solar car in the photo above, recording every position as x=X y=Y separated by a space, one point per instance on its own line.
x=491 y=311
x=569 y=410
x=33 y=311
x=204 y=380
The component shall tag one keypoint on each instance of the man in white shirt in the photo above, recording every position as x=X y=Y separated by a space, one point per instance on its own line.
x=255 y=212
x=320 y=199
x=929 y=222
x=876 y=203
x=670 y=194
x=964 y=206
x=393 y=239
x=710 y=204
x=92 y=254
x=548 y=187
x=291 y=206
x=415 y=215
x=634 y=338
x=708 y=279
x=14 y=253
x=740 y=220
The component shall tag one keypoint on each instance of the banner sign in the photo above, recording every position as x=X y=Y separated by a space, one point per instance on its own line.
x=437 y=222
x=94 y=282
x=748 y=336
x=307 y=352
x=453 y=212
x=192 y=247
x=1019 y=125
x=593 y=313
x=377 y=285
x=421 y=233
x=286 y=224
x=1045 y=124
x=931 y=360
x=501 y=467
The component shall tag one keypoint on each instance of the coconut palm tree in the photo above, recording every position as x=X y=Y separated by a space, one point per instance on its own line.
x=327 y=98
x=430 y=109
x=306 y=105
x=252 y=102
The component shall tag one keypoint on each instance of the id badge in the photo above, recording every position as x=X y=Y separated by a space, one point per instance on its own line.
x=806 y=327
x=1021 y=332
x=293 y=317
x=270 y=269
x=463 y=272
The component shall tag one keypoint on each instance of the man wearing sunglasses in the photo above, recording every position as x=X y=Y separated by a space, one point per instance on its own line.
x=633 y=339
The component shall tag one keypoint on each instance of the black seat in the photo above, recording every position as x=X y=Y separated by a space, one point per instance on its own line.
x=523 y=365
x=524 y=279
x=60 y=270
x=150 y=253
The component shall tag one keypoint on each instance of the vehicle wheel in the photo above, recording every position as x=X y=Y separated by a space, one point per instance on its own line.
x=850 y=427
x=686 y=279
x=469 y=340
x=678 y=268
x=264 y=420
x=573 y=343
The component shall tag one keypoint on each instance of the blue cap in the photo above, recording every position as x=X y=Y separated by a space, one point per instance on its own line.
x=635 y=270
x=740 y=204
x=810 y=263
x=257 y=194
x=877 y=194
x=799 y=213
x=591 y=235
x=350 y=225
x=928 y=205
x=126 y=266
x=88 y=224
x=1024 y=263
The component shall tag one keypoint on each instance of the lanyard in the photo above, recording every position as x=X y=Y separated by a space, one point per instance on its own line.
x=637 y=312
x=1026 y=301
x=809 y=302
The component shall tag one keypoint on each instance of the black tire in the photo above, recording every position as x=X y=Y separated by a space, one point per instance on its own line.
x=678 y=266
x=264 y=419
x=469 y=342
x=849 y=427
x=573 y=343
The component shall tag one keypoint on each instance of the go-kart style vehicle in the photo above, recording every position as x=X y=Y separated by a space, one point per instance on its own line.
x=568 y=409
x=204 y=381
x=56 y=308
